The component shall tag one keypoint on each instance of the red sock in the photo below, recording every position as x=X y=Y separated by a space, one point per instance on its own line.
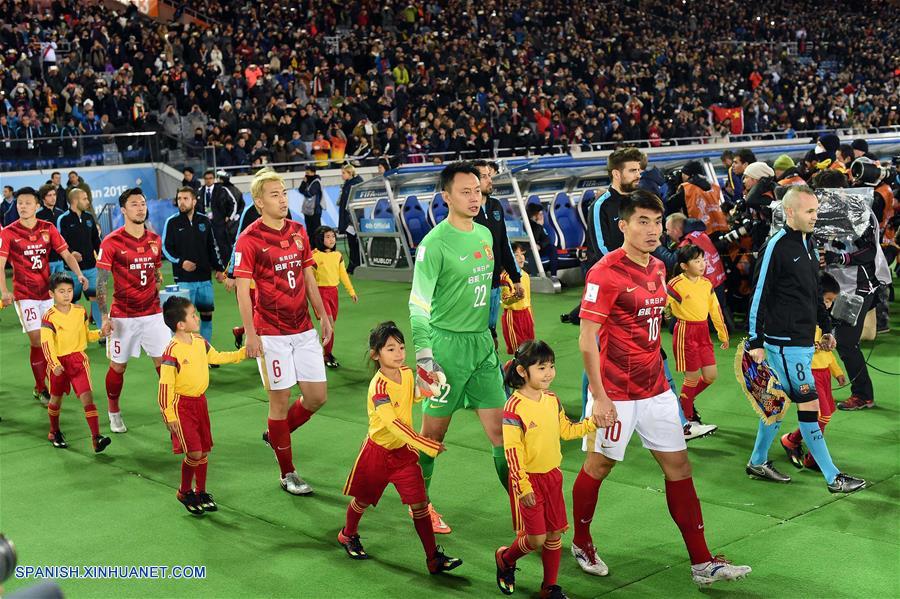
x=688 y=393
x=422 y=522
x=90 y=414
x=280 y=439
x=38 y=369
x=53 y=412
x=584 y=502
x=795 y=437
x=200 y=474
x=516 y=550
x=114 y=382
x=701 y=385
x=823 y=422
x=238 y=331
x=685 y=510
x=157 y=370
x=354 y=514
x=551 y=556
x=187 y=474
x=298 y=415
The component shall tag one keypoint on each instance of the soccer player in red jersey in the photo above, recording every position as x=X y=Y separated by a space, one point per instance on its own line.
x=26 y=244
x=133 y=255
x=274 y=252
x=621 y=319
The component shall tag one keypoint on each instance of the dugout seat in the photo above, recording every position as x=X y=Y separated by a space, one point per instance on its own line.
x=564 y=218
x=383 y=209
x=415 y=222
x=584 y=204
x=548 y=227
x=437 y=210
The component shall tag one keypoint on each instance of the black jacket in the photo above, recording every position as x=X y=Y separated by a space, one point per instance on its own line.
x=604 y=235
x=344 y=219
x=191 y=239
x=787 y=297
x=491 y=216
x=311 y=188
x=80 y=232
x=217 y=202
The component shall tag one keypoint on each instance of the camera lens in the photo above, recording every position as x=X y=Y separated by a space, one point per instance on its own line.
x=7 y=558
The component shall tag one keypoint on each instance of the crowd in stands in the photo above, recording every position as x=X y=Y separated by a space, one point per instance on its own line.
x=286 y=81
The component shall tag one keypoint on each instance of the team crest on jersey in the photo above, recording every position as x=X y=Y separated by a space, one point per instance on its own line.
x=45 y=237
x=488 y=252
x=804 y=389
x=202 y=227
x=299 y=241
x=154 y=249
x=497 y=215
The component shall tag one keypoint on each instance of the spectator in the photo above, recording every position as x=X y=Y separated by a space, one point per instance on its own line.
x=311 y=190
x=345 y=222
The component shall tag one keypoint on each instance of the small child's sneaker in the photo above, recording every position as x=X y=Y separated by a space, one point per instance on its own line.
x=206 y=502
x=190 y=502
x=58 y=440
x=101 y=443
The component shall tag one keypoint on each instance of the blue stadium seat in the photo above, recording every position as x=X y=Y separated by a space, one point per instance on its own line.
x=564 y=217
x=383 y=209
x=415 y=222
x=510 y=212
x=437 y=210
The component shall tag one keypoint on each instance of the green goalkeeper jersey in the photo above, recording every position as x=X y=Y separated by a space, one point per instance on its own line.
x=451 y=288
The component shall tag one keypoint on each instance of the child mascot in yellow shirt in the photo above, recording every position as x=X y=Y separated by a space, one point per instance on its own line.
x=390 y=453
x=183 y=380
x=330 y=270
x=533 y=423
x=64 y=337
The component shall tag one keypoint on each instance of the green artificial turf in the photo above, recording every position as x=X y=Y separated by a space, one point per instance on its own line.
x=72 y=507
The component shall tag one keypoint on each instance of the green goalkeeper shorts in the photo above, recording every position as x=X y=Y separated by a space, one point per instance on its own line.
x=472 y=368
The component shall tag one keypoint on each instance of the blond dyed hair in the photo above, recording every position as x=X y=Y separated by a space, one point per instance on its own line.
x=266 y=175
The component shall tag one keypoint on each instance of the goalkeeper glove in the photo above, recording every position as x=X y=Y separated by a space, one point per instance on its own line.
x=430 y=377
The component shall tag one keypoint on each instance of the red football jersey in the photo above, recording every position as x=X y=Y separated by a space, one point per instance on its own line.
x=133 y=262
x=628 y=300
x=275 y=260
x=28 y=251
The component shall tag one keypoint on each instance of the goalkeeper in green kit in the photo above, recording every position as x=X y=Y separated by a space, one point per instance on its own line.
x=456 y=364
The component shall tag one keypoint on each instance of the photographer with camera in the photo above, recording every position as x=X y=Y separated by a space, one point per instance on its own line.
x=698 y=198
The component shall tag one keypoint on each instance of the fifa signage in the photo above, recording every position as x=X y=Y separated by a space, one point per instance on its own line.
x=377 y=225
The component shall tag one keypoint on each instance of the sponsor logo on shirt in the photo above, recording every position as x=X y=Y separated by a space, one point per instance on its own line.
x=420 y=254
x=591 y=292
x=237 y=258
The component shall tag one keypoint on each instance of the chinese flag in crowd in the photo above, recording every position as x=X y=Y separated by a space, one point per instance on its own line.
x=735 y=113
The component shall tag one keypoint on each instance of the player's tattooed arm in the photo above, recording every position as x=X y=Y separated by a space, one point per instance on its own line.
x=102 y=285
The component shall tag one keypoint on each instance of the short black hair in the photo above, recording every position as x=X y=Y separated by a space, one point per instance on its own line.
x=380 y=335
x=520 y=245
x=188 y=169
x=532 y=209
x=60 y=278
x=829 y=179
x=640 y=198
x=688 y=252
x=133 y=191
x=846 y=150
x=488 y=163
x=175 y=311
x=9 y=187
x=319 y=237
x=829 y=284
x=746 y=155
x=26 y=191
x=187 y=189
x=726 y=155
x=457 y=168
x=529 y=353
x=209 y=171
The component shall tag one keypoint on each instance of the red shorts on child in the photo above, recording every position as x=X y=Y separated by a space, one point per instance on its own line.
x=692 y=345
x=193 y=416
x=549 y=512
x=518 y=327
x=76 y=375
x=822 y=377
x=377 y=466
